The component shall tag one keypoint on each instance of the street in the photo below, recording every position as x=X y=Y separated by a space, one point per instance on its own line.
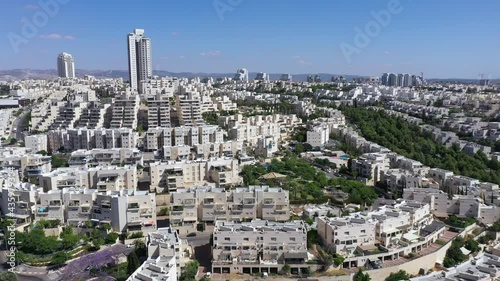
x=18 y=124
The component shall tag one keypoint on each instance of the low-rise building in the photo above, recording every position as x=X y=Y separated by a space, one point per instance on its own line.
x=259 y=247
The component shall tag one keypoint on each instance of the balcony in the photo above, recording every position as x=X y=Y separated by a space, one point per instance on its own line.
x=133 y=206
x=268 y=201
x=74 y=203
x=208 y=201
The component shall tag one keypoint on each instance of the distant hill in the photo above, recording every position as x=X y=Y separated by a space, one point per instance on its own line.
x=21 y=74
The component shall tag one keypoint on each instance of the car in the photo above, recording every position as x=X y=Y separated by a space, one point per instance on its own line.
x=130 y=245
x=208 y=274
x=192 y=234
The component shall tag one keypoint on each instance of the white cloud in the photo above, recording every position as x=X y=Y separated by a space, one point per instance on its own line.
x=56 y=36
x=175 y=33
x=296 y=57
x=211 y=54
x=386 y=52
x=31 y=6
x=182 y=57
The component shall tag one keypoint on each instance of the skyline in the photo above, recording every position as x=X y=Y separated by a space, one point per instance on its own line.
x=215 y=37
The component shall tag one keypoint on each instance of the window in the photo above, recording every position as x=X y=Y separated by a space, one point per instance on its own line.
x=363 y=231
x=292 y=238
x=246 y=239
x=227 y=238
x=346 y=233
x=273 y=238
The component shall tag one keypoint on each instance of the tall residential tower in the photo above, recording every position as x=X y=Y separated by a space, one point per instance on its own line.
x=139 y=57
x=65 y=65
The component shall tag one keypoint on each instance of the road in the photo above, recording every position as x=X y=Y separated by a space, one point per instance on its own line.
x=18 y=124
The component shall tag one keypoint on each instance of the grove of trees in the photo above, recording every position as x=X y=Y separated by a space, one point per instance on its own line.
x=408 y=140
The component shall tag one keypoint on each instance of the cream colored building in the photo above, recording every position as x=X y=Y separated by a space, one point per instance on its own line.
x=259 y=247
x=172 y=175
x=209 y=204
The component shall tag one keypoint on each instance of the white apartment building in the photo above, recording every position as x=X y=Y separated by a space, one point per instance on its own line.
x=139 y=58
x=66 y=66
x=50 y=206
x=83 y=138
x=158 y=111
x=189 y=107
x=318 y=136
x=60 y=178
x=78 y=205
x=36 y=142
x=25 y=196
x=163 y=268
x=124 y=111
x=173 y=175
x=208 y=204
x=106 y=157
x=259 y=247
x=126 y=210
x=266 y=146
x=156 y=138
x=166 y=242
x=27 y=165
x=371 y=166
x=93 y=115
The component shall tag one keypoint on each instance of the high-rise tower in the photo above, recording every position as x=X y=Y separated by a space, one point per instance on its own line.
x=139 y=57
x=65 y=66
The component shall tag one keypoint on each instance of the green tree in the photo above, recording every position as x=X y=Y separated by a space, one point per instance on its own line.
x=132 y=263
x=360 y=276
x=59 y=258
x=111 y=238
x=8 y=276
x=97 y=243
x=190 y=271
x=140 y=248
x=286 y=269
x=398 y=276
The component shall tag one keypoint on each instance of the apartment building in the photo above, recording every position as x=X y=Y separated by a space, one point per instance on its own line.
x=163 y=268
x=49 y=206
x=126 y=210
x=83 y=138
x=158 y=111
x=93 y=116
x=222 y=149
x=382 y=241
x=36 y=142
x=371 y=166
x=78 y=205
x=64 y=178
x=259 y=247
x=201 y=204
x=267 y=146
x=189 y=107
x=113 y=178
x=318 y=136
x=68 y=115
x=166 y=242
x=347 y=233
x=173 y=175
x=27 y=165
x=156 y=138
x=124 y=111
x=21 y=208
x=106 y=157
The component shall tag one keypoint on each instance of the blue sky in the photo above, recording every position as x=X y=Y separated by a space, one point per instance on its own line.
x=443 y=39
